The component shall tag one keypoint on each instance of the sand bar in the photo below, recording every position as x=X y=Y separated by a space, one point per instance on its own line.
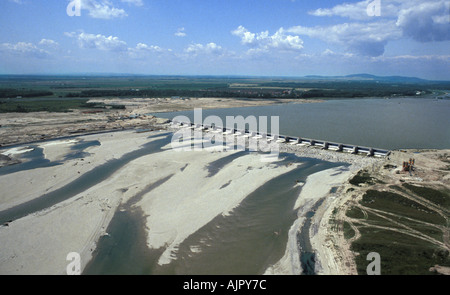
x=39 y=243
x=187 y=198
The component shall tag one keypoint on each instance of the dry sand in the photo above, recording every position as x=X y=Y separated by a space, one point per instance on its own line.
x=26 y=185
x=183 y=203
x=189 y=200
x=39 y=243
x=164 y=104
x=317 y=187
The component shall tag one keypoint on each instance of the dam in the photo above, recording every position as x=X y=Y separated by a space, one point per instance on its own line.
x=279 y=138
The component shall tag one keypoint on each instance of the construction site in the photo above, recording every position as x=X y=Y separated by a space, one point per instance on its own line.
x=401 y=212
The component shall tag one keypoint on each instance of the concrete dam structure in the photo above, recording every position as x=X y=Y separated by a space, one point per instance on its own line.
x=326 y=145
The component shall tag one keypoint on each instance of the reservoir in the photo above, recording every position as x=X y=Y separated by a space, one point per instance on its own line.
x=397 y=123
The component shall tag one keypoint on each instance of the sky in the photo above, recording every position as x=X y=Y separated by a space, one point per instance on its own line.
x=226 y=37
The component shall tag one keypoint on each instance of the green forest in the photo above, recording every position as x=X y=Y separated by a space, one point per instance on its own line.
x=30 y=93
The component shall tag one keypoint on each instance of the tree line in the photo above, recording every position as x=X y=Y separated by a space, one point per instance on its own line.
x=251 y=93
x=13 y=93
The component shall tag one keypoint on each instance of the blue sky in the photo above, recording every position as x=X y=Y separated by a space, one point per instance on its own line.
x=226 y=37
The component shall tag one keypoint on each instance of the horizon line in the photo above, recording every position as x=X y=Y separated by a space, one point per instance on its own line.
x=310 y=76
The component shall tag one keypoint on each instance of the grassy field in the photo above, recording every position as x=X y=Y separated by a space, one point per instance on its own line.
x=407 y=226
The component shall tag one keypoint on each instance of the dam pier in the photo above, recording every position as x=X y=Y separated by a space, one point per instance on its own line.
x=279 y=138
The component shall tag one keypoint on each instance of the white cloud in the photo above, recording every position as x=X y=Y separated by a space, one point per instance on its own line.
x=423 y=21
x=247 y=37
x=145 y=47
x=210 y=48
x=180 y=32
x=260 y=42
x=48 y=43
x=282 y=41
x=328 y=52
x=426 y=22
x=100 y=42
x=24 y=49
x=134 y=2
x=362 y=38
x=359 y=10
x=350 y=10
x=143 y=50
x=114 y=44
x=102 y=9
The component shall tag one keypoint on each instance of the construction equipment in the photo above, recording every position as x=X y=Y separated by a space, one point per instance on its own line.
x=408 y=166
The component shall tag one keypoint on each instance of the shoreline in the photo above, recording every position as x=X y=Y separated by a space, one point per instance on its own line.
x=22 y=128
x=314 y=192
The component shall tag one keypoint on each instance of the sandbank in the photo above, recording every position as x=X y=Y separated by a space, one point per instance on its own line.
x=186 y=198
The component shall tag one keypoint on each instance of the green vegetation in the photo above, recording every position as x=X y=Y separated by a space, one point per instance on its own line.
x=397 y=204
x=406 y=232
x=261 y=90
x=15 y=90
x=401 y=254
x=42 y=105
x=348 y=231
x=435 y=196
x=363 y=177
x=14 y=93
x=210 y=86
x=51 y=105
x=355 y=212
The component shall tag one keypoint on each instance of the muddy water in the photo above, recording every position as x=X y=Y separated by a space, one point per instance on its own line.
x=247 y=241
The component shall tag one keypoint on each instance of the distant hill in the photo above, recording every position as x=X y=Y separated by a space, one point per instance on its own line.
x=388 y=78
x=399 y=79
